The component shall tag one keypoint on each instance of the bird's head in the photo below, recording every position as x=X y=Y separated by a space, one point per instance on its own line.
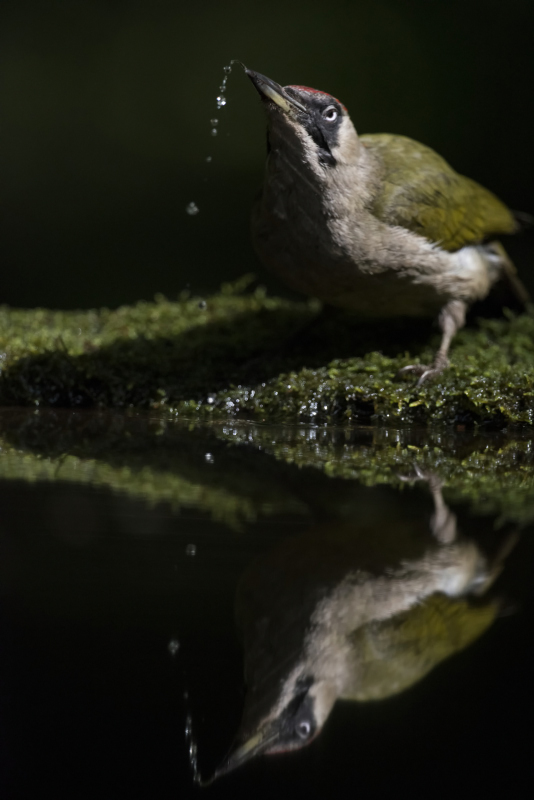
x=313 y=124
x=293 y=721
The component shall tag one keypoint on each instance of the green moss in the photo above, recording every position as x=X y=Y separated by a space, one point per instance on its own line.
x=241 y=354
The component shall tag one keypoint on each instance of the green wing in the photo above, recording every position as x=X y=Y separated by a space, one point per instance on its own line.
x=423 y=193
x=398 y=652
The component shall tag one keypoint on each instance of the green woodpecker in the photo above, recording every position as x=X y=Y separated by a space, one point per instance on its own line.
x=379 y=224
x=345 y=612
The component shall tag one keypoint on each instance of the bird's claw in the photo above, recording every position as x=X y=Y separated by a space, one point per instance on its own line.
x=434 y=481
x=425 y=371
x=419 y=475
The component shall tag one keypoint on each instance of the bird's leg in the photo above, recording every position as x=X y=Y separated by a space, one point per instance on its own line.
x=444 y=527
x=451 y=319
x=443 y=521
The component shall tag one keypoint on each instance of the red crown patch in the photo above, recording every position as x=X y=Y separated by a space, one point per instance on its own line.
x=316 y=91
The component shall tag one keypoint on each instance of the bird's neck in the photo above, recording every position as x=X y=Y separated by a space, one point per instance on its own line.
x=293 y=167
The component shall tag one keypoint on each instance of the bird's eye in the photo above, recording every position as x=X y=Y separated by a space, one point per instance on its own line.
x=304 y=729
x=330 y=114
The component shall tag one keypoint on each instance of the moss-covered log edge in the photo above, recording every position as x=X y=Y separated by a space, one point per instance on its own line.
x=241 y=353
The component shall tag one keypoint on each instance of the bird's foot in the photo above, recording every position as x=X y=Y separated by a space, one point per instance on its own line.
x=425 y=371
x=419 y=474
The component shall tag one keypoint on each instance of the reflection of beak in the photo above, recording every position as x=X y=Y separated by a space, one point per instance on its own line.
x=275 y=92
x=259 y=743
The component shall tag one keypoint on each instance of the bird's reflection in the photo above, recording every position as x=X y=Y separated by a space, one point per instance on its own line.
x=345 y=612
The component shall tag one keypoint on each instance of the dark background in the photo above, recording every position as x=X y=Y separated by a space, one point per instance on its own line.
x=105 y=125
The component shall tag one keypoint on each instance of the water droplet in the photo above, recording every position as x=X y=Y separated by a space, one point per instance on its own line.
x=210 y=399
x=227 y=70
x=202 y=305
x=193 y=762
x=192 y=209
x=191 y=550
x=173 y=646
x=214 y=122
x=214 y=131
x=208 y=159
x=221 y=101
x=208 y=458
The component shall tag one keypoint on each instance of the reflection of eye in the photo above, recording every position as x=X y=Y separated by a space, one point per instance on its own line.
x=330 y=114
x=304 y=729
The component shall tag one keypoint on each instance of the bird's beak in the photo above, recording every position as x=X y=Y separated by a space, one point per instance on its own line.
x=258 y=744
x=275 y=92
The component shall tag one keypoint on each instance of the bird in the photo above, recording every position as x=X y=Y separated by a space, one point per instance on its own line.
x=378 y=224
x=354 y=612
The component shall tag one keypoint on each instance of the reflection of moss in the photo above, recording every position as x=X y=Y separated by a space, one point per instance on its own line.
x=145 y=458
x=156 y=487
x=227 y=357
x=257 y=470
x=492 y=472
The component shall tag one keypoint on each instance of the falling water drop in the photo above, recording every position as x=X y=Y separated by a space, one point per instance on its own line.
x=188 y=726
x=221 y=101
x=193 y=755
x=237 y=61
x=191 y=550
x=192 y=209
x=173 y=647
x=192 y=748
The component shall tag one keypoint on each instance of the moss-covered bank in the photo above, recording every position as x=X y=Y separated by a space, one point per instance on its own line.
x=242 y=354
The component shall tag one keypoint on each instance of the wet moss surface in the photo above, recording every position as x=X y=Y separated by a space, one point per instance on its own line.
x=242 y=354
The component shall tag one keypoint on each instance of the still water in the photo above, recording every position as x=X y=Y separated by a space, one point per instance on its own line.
x=356 y=603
